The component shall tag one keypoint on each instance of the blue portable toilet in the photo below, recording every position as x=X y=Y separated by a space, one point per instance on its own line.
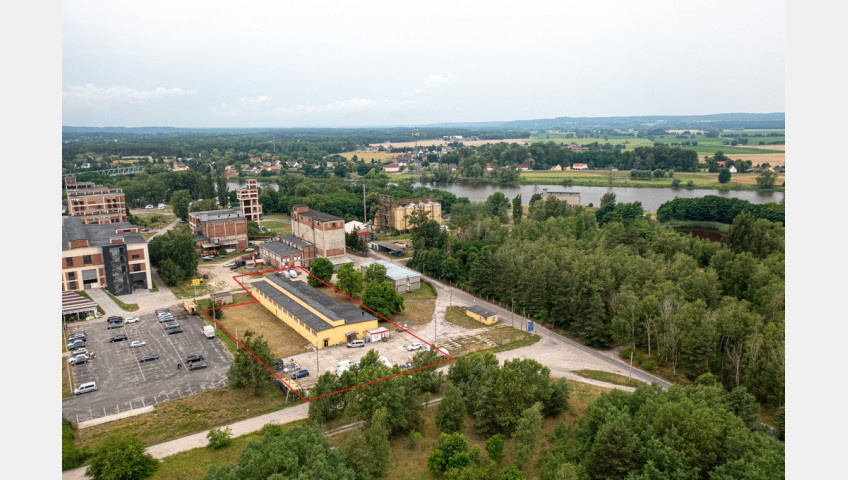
x=530 y=325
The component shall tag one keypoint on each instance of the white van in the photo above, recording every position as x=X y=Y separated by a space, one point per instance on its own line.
x=356 y=344
x=85 y=388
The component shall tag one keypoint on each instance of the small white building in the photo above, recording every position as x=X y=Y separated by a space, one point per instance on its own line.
x=377 y=334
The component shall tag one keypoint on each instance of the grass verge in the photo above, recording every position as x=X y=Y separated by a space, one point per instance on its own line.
x=608 y=377
x=189 y=415
x=457 y=316
x=127 y=307
x=67 y=379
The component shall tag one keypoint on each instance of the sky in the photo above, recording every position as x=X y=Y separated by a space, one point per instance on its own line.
x=334 y=63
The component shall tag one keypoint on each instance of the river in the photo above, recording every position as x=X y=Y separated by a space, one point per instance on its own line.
x=651 y=198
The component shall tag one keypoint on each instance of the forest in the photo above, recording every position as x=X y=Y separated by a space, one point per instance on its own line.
x=617 y=277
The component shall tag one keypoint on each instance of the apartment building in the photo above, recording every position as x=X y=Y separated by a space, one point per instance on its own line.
x=112 y=255
x=95 y=204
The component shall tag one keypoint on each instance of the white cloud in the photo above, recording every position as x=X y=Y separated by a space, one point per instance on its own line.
x=350 y=105
x=438 y=80
x=94 y=94
x=258 y=101
x=432 y=81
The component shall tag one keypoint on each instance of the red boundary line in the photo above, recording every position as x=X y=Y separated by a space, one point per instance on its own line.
x=255 y=300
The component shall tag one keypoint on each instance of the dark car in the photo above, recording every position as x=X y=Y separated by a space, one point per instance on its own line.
x=196 y=365
x=76 y=336
x=300 y=374
x=171 y=325
x=174 y=330
x=115 y=319
x=118 y=338
x=114 y=325
x=194 y=358
x=148 y=358
x=76 y=344
x=206 y=276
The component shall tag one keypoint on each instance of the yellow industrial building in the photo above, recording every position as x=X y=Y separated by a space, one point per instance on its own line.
x=318 y=318
x=482 y=315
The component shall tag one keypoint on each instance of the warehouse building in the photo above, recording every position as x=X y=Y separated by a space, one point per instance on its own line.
x=319 y=319
x=403 y=279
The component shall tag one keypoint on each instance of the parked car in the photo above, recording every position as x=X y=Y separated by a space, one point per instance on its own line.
x=76 y=335
x=206 y=276
x=356 y=344
x=115 y=319
x=194 y=358
x=413 y=346
x=228 y=264
x=79 y=351
x=208 y=257
x=196 y=365
x=162 y=310
x=291 y=368
x=248 y=249
x=85 y=388
x=75 y=345
x=300 y=374
x=114 y=325
x=79 y=359
x=166 y=318
x=174 y=330
x=132 y=320
x=171 y=325
x=148 y=358
x=137 y=343
x=149 y=207
x=118 y=338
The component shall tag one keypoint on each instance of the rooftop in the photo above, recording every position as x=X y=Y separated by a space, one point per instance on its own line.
x=97 y=235
x=319 y=216
x=296 y=241
x=218 y=215
x=481 y=311
x=325 y=305
x=393 y=270
x=279 y=248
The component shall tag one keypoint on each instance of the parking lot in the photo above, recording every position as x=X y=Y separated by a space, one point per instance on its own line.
x=123 y=383
x=394 y=349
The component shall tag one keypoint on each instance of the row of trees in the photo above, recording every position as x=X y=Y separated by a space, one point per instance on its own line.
x=713 y=208
x=617 y=277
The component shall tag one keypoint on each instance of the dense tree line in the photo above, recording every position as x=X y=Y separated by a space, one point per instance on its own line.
x=617 y=277
x=693 y=432
x=713 y=208
x=174 y=254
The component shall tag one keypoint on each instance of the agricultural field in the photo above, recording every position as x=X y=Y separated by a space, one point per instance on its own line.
x=439 y=143
x=371 y=157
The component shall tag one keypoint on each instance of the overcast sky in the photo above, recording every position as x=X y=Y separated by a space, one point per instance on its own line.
x=247 y=63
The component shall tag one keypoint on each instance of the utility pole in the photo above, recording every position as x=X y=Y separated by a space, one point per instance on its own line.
x=364 y=206
x=512 y=321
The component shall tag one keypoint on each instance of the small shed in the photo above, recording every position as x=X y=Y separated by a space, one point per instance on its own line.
x=482 y=315
x=190 y=307
x=377 y=334
x=221 y=298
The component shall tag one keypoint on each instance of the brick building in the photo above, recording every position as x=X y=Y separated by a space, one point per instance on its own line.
x=114 y=256
x=219 y=229
x=282 y=255
x=249 y=199
x=95 y=203
x=324 y=231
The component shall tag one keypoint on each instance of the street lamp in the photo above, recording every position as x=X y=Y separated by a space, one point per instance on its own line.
x=512 y=320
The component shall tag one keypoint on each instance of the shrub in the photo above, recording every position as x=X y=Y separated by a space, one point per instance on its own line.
x=414 y=439
x=219 y=438
x=650 y=363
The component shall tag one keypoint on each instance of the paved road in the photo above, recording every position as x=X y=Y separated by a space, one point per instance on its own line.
x=562 y=355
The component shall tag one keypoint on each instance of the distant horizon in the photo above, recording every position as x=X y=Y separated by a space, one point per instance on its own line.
x=436 y=124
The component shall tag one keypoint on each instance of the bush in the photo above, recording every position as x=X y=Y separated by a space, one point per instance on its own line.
x=690 y=184
x=676 y=182
x=650 y=363
x=219 y=438
x=414 y=439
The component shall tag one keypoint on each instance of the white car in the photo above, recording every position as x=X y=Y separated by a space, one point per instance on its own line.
x=414 y=346
x=249 y=249
x=149 y=207
x=228 y=264
x=131 y=320
x=137 y=343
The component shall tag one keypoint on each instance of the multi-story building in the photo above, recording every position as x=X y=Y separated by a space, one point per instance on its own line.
x=249 y=199
x=324 y=231
x=394 y=214
x=319 y=319
x=219 y=229
x=403 y=279
x=114 y=256
x=95 y=203
x=281 y=255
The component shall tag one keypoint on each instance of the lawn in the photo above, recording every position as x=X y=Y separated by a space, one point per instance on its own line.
x=277 y=227
x=67 y=382
x=368 y=157
x=189 y=415
x=608 y=377
x=458 y=317
x=127 y=307
x=282 y=339
x=415 y=313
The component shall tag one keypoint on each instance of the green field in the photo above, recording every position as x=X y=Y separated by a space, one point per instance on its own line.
x=706 y=146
